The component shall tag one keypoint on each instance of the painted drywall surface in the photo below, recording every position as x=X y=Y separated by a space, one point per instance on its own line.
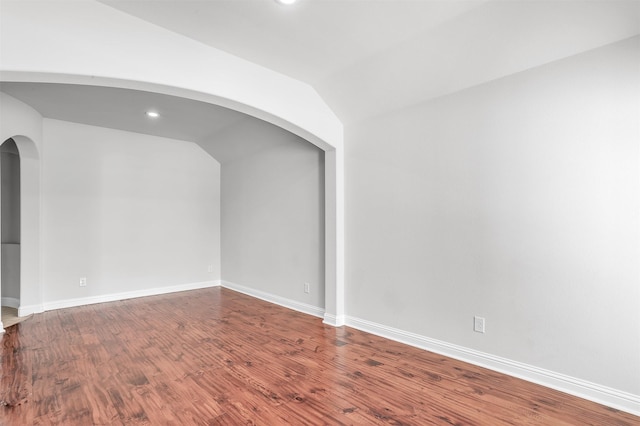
x=10 y=205
x=24 y=125
x=273 y=215
x=127 y=211
x=18 y=118
x=83 y=41
x=10 y=178
x=518 y=201
x=10 y=270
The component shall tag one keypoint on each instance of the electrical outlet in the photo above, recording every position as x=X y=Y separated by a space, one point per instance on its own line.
x=210 y=268
x=478 y=324
x=307 y=287
x=83 y=281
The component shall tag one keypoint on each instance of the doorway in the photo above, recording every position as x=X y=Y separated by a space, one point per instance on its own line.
x=9 y=230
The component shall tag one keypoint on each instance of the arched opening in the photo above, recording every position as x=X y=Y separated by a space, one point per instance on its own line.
x=222 y=80
x=33 y=296
x=10 y=230
x=23 y=208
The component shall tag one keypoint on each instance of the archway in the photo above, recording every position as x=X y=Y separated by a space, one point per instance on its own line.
x=10 y=228
x=195 y=71
x=333 y=173
x=24 y=233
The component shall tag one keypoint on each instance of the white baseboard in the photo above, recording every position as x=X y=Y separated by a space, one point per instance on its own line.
x=26 y=310
x=591 y=391
x=23 y=311
x=81 y=301
x=335 y=321
x=11 y=302
x=282 y=301
x=581 y=388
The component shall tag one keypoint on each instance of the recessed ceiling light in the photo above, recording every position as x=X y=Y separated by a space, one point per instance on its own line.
x=286 y=1
x=152 y=114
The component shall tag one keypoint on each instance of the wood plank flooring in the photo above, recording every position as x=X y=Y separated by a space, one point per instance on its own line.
x=214 y=356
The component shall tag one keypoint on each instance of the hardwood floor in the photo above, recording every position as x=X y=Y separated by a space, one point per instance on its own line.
x=218 y=357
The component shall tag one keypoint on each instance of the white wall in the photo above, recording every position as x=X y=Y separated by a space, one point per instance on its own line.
x=10 y=177
x=10 y=216
x=128 y=211
x=273 y=214
x=10 y=255
x=517 y=200
x=24 y=125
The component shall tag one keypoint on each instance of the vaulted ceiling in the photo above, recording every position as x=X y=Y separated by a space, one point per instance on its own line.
x=364 y=57
x=367 y=57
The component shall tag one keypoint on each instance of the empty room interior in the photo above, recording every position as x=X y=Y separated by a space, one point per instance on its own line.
x=323 y=212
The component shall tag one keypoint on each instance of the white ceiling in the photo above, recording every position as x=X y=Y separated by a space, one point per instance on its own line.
x=364 y=57
x=223 y=133
x=310 y=40
x=125 y=109
x=367 y=57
